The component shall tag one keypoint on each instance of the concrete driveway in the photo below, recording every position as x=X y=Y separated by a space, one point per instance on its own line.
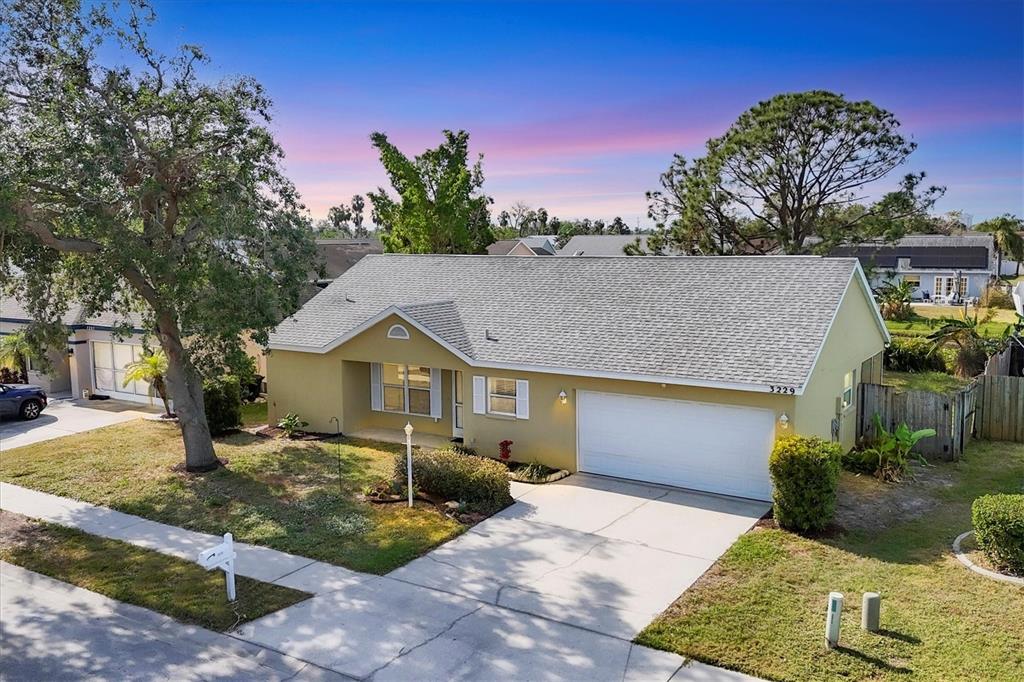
x=554 y=587
x=64 y=416
x=597 y=553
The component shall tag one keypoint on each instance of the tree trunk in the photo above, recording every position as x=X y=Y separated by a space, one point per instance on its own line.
x=186 y=390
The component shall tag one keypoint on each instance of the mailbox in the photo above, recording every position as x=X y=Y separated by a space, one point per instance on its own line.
x=221 y=556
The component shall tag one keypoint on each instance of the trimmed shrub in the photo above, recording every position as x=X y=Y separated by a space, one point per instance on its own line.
x=223 y=400
x=999 y=529
x=909 y=354
x=480 y=482
x=805 y=473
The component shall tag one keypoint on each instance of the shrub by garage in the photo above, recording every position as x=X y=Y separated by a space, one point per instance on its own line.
x=805 y=475
x=999 y=530
x=480 y=482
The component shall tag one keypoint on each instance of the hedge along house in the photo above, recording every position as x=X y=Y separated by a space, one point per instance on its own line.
x=680 y=371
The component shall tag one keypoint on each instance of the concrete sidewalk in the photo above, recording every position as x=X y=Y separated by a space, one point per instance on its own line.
x=56 y=631
x=366 y=626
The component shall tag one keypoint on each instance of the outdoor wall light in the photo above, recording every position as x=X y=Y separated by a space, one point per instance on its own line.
x=562 y=397
x=784 y=421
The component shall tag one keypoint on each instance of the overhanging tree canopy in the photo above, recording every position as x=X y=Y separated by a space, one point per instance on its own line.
x=138 y=185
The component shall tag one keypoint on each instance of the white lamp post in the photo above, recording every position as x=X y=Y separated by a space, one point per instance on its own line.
x=408 y=459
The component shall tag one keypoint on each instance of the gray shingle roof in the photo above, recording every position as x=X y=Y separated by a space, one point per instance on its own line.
x=750 y=320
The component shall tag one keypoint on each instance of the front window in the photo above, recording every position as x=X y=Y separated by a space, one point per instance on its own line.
x=406 y=388
x=501 y=396
x=848 y=383
x=913 y=280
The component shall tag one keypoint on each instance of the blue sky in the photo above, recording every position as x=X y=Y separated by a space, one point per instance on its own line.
x=578 y=107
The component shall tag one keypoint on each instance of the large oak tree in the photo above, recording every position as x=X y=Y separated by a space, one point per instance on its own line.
x=128 y=182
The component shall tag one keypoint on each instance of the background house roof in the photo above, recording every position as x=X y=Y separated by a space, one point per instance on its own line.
x=749 y=320
x=539 y=245
x=338 y=255
x=931 y=251
x=600 y=244
x=12 y=310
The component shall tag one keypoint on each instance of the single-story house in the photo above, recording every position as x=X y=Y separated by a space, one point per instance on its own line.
x=94 y=359
x=538 y=245
x=939 y=266
x=681 y=371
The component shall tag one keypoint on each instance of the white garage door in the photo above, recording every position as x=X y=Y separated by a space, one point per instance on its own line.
x=716 y=448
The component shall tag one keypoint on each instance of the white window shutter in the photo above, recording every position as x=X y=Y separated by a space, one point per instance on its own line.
x=376 y=390
x=522 y=399
x=479 y=395
x=435 y=392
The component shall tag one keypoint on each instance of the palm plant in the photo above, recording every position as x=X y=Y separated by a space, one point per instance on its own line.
x=151 y=368
x=973 y=347
x=15 y=351
x=1006 y=232
x=894 y=300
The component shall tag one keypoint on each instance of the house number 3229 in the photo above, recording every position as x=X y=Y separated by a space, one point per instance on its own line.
x=790 y=390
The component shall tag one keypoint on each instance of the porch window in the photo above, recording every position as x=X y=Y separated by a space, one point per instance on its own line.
x=913 y=280
x=406 y=388
x=501 y=396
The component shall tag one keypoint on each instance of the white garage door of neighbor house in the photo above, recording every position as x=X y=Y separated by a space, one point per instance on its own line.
x=715 y=448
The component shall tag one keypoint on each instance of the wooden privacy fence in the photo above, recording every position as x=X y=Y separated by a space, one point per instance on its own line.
x=1001 y=409
x=990 y=407
x=949 y=415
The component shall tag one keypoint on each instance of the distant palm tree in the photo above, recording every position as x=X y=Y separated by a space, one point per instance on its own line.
x=151 y=368
x=1006 y=232
x=15 y=352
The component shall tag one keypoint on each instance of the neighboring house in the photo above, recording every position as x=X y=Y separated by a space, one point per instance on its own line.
x=525 y=246
x=937 y=265
x=600 y=244
x=335 y=257
x=92 y=362
x=680 y=371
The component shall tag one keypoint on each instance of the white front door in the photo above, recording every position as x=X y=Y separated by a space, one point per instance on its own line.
x=457 y=397
x=716 y=448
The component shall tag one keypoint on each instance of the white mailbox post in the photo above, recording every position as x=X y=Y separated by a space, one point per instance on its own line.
x=223 y=557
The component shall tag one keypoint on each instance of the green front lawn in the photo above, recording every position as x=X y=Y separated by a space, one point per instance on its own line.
x=254 y=414
x=761 y=608
x=936 y=382
x=282 y=494
x=927 y=319
x=166 y=584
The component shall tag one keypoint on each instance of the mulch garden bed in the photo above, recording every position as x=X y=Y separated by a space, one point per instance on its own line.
x=534 y=472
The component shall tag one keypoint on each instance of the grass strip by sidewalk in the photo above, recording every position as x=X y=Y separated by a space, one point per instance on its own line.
x=299 y=497
x=166 y=584
x=761 y=608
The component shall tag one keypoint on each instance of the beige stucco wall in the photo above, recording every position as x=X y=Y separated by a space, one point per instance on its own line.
x=549 y=435
x=854 y=338
x=311 y=385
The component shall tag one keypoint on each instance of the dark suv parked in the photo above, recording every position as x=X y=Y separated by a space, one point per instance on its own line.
x=21 y=400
